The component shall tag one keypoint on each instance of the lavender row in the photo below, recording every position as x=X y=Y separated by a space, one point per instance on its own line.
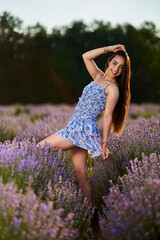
x=132 y=207
x=50 y=174
x=47 y=109
x=42 y=120
x=142 y=136
x=21 y=127
x=26 y=216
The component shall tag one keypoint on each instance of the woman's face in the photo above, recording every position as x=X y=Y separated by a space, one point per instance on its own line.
x=116 y=66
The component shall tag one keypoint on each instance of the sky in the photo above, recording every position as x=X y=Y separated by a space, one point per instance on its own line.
x=56 y=13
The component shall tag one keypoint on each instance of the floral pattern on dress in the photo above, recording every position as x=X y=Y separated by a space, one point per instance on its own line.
x=82 y=129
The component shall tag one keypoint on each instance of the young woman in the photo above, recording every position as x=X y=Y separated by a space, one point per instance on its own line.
x=110 y=91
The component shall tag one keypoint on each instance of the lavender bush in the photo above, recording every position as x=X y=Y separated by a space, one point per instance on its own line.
x=21 y=160
x=28 y=121
x=134 y=206
x=49 y=174
x=24 y=216
x=144 y=110
x=41 y=129
x=11 y=126
x=141 y=136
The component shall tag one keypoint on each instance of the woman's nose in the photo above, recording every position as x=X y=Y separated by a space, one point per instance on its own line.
x=116 y=69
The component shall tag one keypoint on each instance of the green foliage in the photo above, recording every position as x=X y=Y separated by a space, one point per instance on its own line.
x=34 y=117
x=28 y=55
x=7 y=132
x=18 y=108
x=144 y=115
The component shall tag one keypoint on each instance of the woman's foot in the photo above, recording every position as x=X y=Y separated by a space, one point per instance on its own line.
x=95 y=221
x=95 y=225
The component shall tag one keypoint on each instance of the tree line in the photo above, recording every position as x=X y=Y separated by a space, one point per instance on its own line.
x=41 y=67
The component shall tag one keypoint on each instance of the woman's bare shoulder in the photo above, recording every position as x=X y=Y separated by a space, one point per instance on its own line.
x=112 y=90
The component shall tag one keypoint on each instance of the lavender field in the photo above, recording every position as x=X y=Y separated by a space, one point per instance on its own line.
x=40 y=197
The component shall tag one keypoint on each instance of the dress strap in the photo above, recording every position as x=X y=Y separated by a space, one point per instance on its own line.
x=107 y=86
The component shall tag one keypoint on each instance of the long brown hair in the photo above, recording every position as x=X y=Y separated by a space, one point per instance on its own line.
x=121 y=109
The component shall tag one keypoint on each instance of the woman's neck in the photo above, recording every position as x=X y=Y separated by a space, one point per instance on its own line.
x=108 y=78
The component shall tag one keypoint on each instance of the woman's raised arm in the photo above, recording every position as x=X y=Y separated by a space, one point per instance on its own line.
x=90 y=63
x=88 y=57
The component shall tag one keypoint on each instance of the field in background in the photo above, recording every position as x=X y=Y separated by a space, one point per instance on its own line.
x=40 y=197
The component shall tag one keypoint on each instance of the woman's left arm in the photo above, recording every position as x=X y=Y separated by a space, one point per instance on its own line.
x=112 y=93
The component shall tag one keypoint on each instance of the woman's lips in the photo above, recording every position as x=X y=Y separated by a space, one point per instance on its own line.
x=114 y=72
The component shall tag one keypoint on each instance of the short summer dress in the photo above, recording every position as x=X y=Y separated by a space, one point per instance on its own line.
x=82 y=129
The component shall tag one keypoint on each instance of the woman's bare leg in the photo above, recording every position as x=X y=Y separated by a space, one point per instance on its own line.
x=58 y=142
x=79 y=158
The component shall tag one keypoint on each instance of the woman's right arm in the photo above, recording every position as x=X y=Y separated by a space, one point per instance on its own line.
x=91 y=66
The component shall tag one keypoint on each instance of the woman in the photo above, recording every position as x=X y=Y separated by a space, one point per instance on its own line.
x=110 y=91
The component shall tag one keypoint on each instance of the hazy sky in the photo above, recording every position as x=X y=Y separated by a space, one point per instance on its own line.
x=51 y=13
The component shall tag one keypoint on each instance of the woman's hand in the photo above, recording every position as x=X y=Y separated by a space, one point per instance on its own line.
x=105 y=151
x=115 y=48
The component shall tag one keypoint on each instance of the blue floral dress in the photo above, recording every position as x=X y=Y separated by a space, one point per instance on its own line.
x=82 y=129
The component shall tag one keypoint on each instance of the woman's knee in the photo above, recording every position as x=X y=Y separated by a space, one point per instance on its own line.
x=57 y=142
x=41 y=143
x=81 y=176
x=50 y=140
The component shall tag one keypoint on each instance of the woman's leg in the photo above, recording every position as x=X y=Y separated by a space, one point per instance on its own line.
x=79 y=158
x=58 y=142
